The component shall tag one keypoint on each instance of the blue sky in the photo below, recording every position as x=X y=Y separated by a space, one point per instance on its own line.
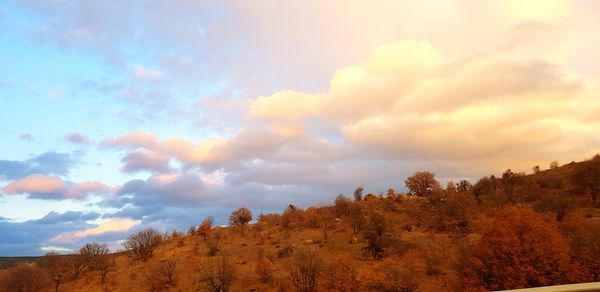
x=117 y=116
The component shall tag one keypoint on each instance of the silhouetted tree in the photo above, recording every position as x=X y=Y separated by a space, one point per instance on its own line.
x=422 y=183
x=554 y=164
x=358 y=194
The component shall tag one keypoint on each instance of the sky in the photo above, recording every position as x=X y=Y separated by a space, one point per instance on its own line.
x=117 y=116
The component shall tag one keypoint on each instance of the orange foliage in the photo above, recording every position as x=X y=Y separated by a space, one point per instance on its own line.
x=520 y=249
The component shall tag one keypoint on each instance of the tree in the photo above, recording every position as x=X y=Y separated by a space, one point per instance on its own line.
x=464 y=186
x=341 y=205
x=485 y=186
x=422 y=183
x=376 y=235
x=356 y=218
x=358 y=194
x=205 y=227
x=587 y=177
x=519 y=249
x=304 y=270
x=57 y=267
x=25 y=278
x=162 y=275
x=240 y=218
x=218 y=274
x=585 y=245
x=554 y=164
x=536 y=169
x=141 y=245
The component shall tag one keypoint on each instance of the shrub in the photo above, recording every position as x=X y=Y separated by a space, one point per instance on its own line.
x=141 y=245
x=341 y=277
x=218 y=274
x=304 y=270
x=162 y=275
x=264 y=270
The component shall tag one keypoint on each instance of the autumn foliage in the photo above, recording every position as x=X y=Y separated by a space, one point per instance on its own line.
x=520 y=248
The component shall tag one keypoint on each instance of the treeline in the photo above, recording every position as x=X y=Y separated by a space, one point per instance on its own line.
x=506 y=232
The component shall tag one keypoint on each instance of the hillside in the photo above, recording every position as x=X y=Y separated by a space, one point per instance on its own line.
x=508 y=232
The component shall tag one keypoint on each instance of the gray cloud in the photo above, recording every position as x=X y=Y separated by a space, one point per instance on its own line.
x=45 y=163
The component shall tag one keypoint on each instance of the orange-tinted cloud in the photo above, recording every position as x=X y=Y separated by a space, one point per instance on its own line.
x=52 y=187
x=115 y=225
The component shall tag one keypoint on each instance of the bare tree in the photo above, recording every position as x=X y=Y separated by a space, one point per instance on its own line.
x=141 y=245
x=218 y=274
x=356 y=218
x=358 y=194
x=422 y=183
x=304 y=270
x=205 y=227
x=25 y=277
x=240 y=218
x=162 y=275
x=57 y=267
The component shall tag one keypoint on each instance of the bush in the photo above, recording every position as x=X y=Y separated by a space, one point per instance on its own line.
x=218 y=274
x=341 y=277
x=162 y=275
x=264 y=270
x=304 y=270
x=141 y=245
x=213 y=248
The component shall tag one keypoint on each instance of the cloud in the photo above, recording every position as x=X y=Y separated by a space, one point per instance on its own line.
x=77 y=138
x=145 y=160
x=45 y=163
x=142 y=73
x=113 y=225
x=406 y=102
x=52 y=188
x=32 y=237
x=26 y=137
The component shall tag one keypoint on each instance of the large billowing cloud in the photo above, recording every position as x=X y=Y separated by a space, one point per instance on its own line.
x=405 y=102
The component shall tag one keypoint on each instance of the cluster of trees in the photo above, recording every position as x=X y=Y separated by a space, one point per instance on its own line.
x=504 y=232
